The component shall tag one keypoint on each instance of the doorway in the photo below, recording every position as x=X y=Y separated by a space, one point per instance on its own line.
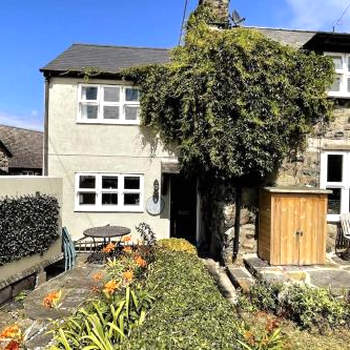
x=183 y=208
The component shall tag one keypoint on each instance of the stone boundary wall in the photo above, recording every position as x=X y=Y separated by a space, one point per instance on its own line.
x=12 y=273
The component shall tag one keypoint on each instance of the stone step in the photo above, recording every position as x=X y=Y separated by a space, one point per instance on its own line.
x=240 y=277
x=223 y=282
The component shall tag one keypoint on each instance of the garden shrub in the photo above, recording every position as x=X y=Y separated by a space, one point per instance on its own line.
x=28 y=226
x=177 y=244
x=189 y=312
x=308 y=307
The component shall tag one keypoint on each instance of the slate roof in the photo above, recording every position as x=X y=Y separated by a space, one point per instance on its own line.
x=25 y=146
x=295 y=38
x=108 y=59
x=112 y=59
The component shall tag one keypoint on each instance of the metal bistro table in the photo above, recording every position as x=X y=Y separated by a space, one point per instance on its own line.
x=106 y=232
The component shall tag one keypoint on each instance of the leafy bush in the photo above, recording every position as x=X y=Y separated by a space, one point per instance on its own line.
x=146 y=233
x=28 y=226
x=309 y=307
x=188 y=311
x=177 y=244
x=306 y=306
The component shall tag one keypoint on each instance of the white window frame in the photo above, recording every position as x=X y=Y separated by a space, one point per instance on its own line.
x=344 y=185
x=344 y=72
x=121 y=191
x=100 y=103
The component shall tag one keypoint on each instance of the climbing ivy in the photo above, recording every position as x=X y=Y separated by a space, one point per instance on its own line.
x=232 y=103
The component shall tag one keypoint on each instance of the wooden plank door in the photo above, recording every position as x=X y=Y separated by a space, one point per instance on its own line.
x=313 y=226
x=286 y=222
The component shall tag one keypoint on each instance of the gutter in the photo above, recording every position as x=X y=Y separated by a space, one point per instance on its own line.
x=46 y=126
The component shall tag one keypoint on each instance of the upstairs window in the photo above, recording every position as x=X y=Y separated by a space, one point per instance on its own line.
x=341 y=84
x=109 y=192
x=108 y=104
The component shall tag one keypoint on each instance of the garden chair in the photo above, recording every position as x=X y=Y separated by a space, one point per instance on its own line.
x=345 y=226
x=69 y=251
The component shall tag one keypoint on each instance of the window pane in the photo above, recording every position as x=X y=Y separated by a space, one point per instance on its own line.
x=111 y=94
x=131 y=113
x=132 y=94
x=338 y=62
x=132 y=183
x=87 y=198
x=131 y=199
x=349 y=64
x=89 y=93
x=334 y=200
x=348 y=84
x=110 y=182
x=336 y=84
x=86 y=181
x=89 y=112
x=335 y=168
x=109 y=199
x=111 y=112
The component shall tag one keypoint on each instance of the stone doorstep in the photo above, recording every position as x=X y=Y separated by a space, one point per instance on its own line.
x=240 y=277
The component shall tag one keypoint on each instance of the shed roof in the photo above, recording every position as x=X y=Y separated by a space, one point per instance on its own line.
x=25 y=146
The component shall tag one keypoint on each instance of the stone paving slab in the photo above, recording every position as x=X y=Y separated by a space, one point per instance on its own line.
x=36 y=320
x=240 y=277
x=335 y=274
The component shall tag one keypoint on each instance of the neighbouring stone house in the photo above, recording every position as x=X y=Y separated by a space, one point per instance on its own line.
x=112 y=170
x=21 y=151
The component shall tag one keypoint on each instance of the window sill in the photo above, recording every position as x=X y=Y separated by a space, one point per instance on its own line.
x=108 y=123
x=338 y=95
x=94 y=210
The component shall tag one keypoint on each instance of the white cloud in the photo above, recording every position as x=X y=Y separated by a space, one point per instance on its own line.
x=27 y=122
x=319 y=14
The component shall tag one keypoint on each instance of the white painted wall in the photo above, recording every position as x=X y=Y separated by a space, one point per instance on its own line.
x=75 y=148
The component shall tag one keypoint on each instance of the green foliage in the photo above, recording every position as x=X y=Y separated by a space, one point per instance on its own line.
x=233 y=103
x=103 y=323
x=270 y=339
x=188 y=312
x=177 y=244
x=28 y=226
x=308 y=307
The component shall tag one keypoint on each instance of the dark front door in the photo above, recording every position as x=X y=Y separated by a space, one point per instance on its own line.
x=183 y=208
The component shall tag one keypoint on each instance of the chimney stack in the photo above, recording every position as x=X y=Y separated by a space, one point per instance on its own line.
x=219 y=7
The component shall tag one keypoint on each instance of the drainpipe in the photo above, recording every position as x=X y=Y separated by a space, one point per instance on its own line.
x=237 y=222
x=46 y=127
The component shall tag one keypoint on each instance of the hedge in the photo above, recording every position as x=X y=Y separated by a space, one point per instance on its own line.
x=28 y=226
x=188 y=312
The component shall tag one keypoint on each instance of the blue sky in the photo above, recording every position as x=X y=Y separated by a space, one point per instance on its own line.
x=34 y=32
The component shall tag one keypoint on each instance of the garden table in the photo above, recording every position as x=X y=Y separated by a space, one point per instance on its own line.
x=106 y=232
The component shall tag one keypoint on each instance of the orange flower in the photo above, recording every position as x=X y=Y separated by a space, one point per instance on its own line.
x=126 y=239
x=111 y=286
x=11 y=332
x=97 y=277
x=95 y=289
x=12 y=345
x=128 y=275
x=127 y=250
x=141 y=262
x=51 y=300
x=108 y=248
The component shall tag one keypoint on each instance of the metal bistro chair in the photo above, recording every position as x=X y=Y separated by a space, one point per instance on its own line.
x=69 y=251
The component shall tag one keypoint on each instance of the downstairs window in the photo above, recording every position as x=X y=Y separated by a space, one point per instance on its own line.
x=108 y=192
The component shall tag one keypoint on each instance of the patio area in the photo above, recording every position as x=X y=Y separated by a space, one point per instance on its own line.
x=76 y=286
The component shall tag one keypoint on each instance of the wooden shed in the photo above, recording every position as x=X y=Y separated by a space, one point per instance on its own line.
x=293 y=225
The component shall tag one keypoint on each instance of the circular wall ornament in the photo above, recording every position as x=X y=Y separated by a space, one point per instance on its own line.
x=154 y=206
